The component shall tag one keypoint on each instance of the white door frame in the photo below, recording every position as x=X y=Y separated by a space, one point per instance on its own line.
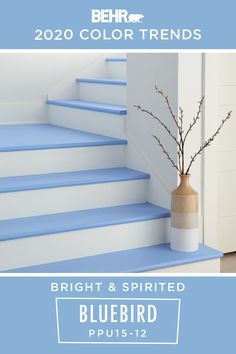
x=210 y=157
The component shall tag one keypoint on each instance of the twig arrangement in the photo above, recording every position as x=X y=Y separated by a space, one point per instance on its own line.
x=182 y=134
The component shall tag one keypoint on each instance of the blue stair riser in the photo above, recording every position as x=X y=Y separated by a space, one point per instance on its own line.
x=101 y=81
x=117 y=60
x=91 y=106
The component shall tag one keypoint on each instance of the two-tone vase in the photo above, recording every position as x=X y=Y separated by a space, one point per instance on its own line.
x=184 y=234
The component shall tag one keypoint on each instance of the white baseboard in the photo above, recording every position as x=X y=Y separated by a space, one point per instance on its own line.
x=23 y=113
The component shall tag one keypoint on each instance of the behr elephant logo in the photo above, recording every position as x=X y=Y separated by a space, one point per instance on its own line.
x=136 y=18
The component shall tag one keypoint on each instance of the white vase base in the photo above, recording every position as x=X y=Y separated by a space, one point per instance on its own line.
x=184 y=240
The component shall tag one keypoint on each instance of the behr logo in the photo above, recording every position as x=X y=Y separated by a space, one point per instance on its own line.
x=118 y=16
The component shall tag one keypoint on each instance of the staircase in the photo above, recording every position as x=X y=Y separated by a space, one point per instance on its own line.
x=66 y=194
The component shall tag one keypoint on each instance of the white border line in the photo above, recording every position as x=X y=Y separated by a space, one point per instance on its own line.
x=119 y=299
x=57 y=319
x=117 y=275
x=121 y=51
x=178 y=321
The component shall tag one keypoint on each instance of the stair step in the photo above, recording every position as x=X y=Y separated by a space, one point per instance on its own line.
x=102 y=81
x=70 y=191
x=46 y=136
x=136 y=260
x=77 y=178
x=117 y=68
x=121 y=60
x=91 y=121
x=79 y=220
x=91 y=106
x=111 y=91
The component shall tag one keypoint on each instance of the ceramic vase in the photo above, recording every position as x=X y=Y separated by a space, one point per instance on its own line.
x=184 y=234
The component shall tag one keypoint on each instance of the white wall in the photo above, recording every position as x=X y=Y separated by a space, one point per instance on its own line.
x=144 y=71
x=27 y=78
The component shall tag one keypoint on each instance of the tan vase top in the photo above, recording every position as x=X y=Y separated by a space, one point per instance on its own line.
x=184 y=187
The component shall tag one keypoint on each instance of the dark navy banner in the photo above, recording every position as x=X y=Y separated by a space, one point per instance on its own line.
x=117 y=24
x=70 y=315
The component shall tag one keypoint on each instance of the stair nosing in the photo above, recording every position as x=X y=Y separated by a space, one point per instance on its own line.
x=102 y=81
x=100 y=180
x=71 y=104
x=114 y=142
x=119 y=60
x=61 y=146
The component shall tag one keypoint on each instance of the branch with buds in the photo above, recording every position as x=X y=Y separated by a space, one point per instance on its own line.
x=182 y=135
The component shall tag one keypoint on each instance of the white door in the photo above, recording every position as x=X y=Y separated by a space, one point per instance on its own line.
x=220 y=158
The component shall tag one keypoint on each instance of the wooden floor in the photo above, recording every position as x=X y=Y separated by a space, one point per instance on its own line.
x=228 y=263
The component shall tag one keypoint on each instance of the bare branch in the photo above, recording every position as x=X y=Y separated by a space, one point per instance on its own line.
x=179 y=124
x=160 y=121
x=166 y=153
x=195 y=119
x=181 y=119
x=166 y=98
x=208 y=142
x=179 y=158
x=181 y=137
x=181 y=132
